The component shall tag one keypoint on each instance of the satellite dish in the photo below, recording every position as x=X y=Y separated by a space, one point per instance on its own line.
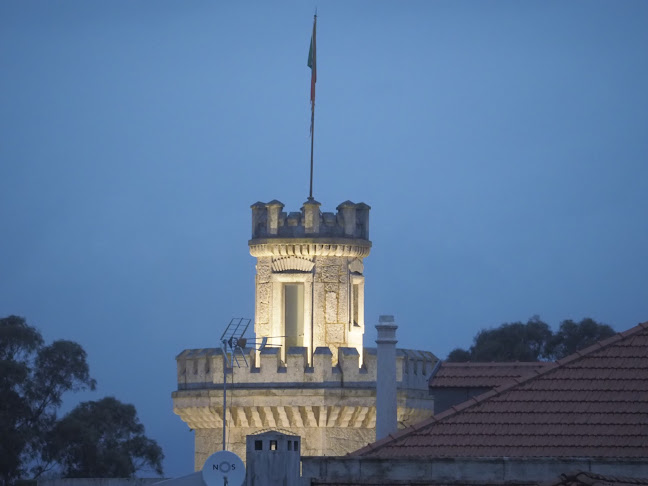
x=223 y=468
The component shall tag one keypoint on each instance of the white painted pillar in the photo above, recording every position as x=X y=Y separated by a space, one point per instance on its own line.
x=386 y=405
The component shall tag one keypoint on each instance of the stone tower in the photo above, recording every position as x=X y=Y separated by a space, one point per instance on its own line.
x=314 y=378
x=309 y=275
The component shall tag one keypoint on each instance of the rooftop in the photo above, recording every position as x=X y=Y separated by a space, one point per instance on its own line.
x=481 y=375
x=592 y=404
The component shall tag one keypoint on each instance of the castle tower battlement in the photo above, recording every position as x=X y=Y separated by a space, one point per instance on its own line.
x=203 y=369
x=270 y=221
x=309 y=288
x=322 y=403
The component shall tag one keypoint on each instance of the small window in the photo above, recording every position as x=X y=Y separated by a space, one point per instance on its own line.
x=258 y=445
x=356 y=305
x=296 y=445
x=289 y=445
x=273 y=445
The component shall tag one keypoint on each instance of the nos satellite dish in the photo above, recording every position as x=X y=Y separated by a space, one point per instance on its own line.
x=223 y=468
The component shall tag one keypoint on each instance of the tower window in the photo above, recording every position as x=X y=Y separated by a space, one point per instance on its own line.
x=356 y=309
x=294 y=314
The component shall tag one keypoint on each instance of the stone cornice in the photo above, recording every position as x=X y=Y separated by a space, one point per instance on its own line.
x=358 y=414
x=309 y=247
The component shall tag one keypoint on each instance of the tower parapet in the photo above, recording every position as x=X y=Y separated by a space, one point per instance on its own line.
x=332 y=406
x=270 y=221
x=309 y=288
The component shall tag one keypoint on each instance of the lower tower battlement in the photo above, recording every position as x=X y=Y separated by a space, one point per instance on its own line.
x=331 y=405
x=203 y=369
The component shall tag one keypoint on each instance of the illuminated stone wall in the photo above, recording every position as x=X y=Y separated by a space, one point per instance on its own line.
x=318 y=382
x=332 y=407
x=323 y=252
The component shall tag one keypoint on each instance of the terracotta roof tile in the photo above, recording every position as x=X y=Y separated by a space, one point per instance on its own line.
x=481 y=375
x=592 y=404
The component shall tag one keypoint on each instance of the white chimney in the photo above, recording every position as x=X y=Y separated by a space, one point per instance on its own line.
x=386 y=405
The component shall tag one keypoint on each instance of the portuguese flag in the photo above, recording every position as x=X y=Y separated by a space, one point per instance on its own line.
x=312 y=63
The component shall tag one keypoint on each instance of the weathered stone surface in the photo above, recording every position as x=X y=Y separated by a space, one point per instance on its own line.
x=335 y=334
x=330 y=273
x=343 y=303
x=264 y=269
x=331 y=287
x=262 y=317
x=331 y=307
x=263 y=292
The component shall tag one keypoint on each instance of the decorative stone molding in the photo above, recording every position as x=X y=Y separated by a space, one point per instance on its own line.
x=288 y=416
x=292 y=263
x=356 y=266
x=309 y=248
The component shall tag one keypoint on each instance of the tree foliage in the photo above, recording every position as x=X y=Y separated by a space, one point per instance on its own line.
x=533 y=341
x=34 y=377
x=572 y=337
x=103 y=439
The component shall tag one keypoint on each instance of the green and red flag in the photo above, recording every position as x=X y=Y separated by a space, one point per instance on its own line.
x=312 y=63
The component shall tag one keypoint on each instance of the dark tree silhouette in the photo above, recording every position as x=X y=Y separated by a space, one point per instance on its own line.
x=572 y=337
x=533 y=341
x=103 y=439
x=96 y=439
x=459 y=355
x=33 y=379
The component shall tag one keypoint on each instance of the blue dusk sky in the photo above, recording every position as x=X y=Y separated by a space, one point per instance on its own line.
x=502 y=146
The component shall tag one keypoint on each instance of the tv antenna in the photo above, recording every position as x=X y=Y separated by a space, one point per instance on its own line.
x=233 y=340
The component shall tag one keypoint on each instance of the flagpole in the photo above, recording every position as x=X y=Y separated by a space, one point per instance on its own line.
x=310 y=194
x=312 y=63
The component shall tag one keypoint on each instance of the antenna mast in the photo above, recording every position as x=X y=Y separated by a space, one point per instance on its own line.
x=232 y=338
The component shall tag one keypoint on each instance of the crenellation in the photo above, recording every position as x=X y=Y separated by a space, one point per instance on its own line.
x=329 y=219
x=273 y=217
x=204 y=367
x=311 y=217
x=296 y=362
x=269 y=362
x=322 y=365
x=294 y=219
x=270 y=221
x=349 y=363
x=347 y=215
